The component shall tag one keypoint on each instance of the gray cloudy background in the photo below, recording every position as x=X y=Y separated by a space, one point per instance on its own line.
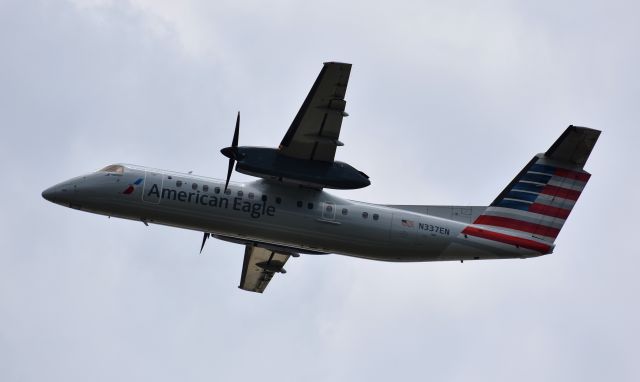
x=448 y=100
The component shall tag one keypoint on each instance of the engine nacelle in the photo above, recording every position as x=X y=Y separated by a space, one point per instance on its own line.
x=269 y=164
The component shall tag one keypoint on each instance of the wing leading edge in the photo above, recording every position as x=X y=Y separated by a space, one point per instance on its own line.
x=259 y=266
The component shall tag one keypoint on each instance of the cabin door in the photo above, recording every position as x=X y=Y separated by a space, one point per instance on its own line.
x=152 y=190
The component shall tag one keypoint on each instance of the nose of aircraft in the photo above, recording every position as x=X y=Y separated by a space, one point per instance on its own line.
x=61 y=193
x=51 y=194
x=69 y=192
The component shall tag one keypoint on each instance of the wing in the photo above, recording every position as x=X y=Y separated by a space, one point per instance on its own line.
x=315 y=130
x=259 y=267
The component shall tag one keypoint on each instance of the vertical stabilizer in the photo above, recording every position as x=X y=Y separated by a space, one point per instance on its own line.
x=537 y=202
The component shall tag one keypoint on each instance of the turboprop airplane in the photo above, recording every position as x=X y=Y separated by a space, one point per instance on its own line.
x=288 y=212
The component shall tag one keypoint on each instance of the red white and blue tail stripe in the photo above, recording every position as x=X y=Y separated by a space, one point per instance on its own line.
x=532 y=209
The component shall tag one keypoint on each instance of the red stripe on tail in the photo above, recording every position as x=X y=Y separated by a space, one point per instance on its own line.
x=555 y=212
x=581 y=176
x=519 y=225
x=508 y=239
x=560 y=192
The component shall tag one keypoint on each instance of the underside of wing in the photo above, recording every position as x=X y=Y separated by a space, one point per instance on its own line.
x=314 y=132
x=259 y=266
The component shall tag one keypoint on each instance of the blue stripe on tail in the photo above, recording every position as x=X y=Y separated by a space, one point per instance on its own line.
x=513 y=204
x=543 y=168
x=528 y=187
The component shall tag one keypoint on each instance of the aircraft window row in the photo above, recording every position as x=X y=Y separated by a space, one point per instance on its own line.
x=240 y=193
x=366 y=215
x=299 y=203
x=329 y=208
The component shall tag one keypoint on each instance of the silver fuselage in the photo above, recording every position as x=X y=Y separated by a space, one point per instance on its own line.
x=306 y=220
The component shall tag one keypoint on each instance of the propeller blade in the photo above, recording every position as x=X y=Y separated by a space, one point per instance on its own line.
x=204 y=240
x=232 y=152
x=236 y=133
x=229 y=171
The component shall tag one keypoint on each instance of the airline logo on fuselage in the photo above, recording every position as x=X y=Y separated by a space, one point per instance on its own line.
x=131 y=188
x=254 y=209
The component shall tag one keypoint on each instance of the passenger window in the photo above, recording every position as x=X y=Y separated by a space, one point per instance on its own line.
x=194 y=186
x=178 y=183
x=299 y=203
x=264 y=198
x=365 y=215
x=240 y=193
x=329 y=208
x=169 y=177
x=310 y=206
x=345 y=211
x=227 y=191
x=205 y=188
x=278 y=200
x=216 y=190
x=376 y=216
x=251 y=195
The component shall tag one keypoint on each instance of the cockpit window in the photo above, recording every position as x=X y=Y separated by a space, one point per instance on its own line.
x=114 y=169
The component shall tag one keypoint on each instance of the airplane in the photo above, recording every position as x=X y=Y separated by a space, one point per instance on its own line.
x=287 y=212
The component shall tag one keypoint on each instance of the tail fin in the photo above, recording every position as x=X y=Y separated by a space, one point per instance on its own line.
x=537 y=202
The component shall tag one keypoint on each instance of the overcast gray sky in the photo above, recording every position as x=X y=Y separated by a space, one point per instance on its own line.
x=447 y=101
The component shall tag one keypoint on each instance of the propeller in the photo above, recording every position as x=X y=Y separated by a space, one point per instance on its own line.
x=231 y=152
x=204 y=240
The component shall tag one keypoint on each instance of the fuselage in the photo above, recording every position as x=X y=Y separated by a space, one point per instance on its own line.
x=303 y=219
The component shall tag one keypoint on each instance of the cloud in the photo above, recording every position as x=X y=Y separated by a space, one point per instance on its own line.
x=447 y=101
